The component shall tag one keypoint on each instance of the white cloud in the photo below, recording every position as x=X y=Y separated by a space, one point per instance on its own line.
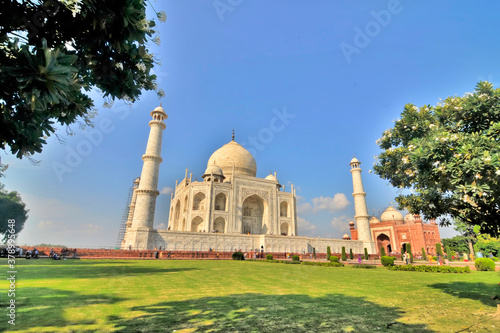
x=90 y=229
x=341 y=224
x=305 y=227
x=161 y=226
x=51 y=225
x=167 y=190
x=304 y=208
x=337 y=203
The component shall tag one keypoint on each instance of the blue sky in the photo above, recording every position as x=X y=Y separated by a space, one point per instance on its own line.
x=304 y=84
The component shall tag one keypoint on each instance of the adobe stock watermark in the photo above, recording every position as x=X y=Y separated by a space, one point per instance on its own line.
x=223 y=6
x=266 y=135
x=93 y=138
x=363 y=37
x=50 y=8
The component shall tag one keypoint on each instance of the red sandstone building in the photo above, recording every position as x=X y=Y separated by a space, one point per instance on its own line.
x=393 y=231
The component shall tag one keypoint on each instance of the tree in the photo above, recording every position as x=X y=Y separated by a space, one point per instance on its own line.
x=351 y=255
x=366 y=254
x=408 y=249
x=449 y=157
x=328 y=253
x=12 y=208
x=52 y=53
x=469 y=232
x=344 y=256
x=457 y=244
x=487 y=244
x=424 y=255
x=382 y=251
x=314 y=252
x=439 y=250
x=448 y=252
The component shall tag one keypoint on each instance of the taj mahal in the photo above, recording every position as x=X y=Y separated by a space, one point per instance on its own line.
x=230 y=209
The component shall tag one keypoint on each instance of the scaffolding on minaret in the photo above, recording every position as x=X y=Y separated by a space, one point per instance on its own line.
x=123 y=224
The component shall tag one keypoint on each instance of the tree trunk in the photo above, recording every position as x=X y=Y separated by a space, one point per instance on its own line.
x=471 y=249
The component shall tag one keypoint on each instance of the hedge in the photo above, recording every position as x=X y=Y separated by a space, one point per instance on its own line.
x=363 y=266
x=430 y=269
x=484 y=264
x=387 y=261
x=238 y=255
x=334 y=259
x=329 y=264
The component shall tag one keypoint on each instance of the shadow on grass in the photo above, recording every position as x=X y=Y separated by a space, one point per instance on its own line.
x=476 y=291
x=45 y=307
x=90 y=269
x=268 y=313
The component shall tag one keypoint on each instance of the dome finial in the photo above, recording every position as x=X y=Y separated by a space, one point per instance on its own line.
x=233 y=134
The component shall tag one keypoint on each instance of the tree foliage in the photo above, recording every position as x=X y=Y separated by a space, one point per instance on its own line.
x=448 y=155
x=12 y=207
x=53 y=53
x=424 y=255
x=457 y=244
x=487 y=244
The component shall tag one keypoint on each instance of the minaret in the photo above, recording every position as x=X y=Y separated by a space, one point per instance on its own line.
x=147 y=192
x=131 y=209
x=363 y=225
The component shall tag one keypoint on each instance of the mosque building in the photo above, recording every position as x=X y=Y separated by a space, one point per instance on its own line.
x=233 y=209
x=393 y=232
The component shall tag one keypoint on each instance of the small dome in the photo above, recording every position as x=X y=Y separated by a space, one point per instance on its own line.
x=390 y=215
x=351 y=223
x=409 y=218
x=159 y=109
x=346 y=236
x=374 y=220
x=233 y=154
x=272 y=177
x=213 y=170
x=355 y=160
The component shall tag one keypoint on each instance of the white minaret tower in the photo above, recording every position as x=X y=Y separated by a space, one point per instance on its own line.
x=363 y=225
x=144 y=211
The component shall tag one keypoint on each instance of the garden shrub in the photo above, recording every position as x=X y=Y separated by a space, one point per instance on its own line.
x=430 y=269
x=382 y=252
x=334 y=259
x=439 y=250
x=387 y=261
x=238 y=255
x=351 y=256
x=448 y=252
x=328 y=252
x=344 y=256
x=295 y=258
x=314 y=252
x=424 y=255
x=408 y=249
x=484 y=264
x=269 y=256
x=366 y=254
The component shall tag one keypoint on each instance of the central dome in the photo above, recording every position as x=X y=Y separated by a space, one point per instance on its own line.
x=233 y=154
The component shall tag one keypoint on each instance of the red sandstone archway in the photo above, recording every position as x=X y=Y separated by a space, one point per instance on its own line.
x=385 y=241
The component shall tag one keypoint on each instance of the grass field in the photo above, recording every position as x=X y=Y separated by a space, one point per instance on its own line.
x=239 y=296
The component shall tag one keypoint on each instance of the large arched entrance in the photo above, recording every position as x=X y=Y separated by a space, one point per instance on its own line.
x=384 y=241
x=253 y=216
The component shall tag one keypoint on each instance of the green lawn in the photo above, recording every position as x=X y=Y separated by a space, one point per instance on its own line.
x=242 y=296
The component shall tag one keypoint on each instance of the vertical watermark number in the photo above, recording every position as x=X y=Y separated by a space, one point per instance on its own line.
x=11 y=272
